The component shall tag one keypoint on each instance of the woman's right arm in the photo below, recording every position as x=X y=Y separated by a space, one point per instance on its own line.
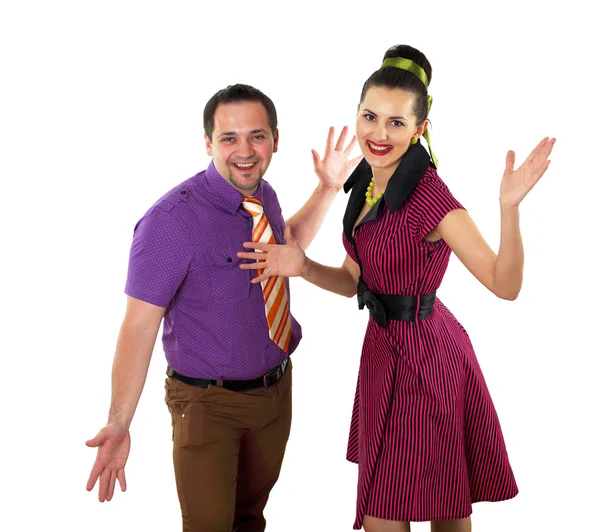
x=289 y=260
x=342 y=281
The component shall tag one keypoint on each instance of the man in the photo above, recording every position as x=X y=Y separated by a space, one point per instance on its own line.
x=227 y=341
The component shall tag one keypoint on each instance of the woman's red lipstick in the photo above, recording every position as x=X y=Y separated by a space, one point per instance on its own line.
x=378 y=149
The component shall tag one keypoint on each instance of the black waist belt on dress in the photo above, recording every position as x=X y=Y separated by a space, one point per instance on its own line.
x=384 y=307
x=237 y=386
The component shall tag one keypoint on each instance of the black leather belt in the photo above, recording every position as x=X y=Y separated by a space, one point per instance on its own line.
x=384 y=307
x=237 y=386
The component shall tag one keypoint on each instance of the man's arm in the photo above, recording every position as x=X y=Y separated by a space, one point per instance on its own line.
x=130 y=367
x=332 y=172
x=132 y=358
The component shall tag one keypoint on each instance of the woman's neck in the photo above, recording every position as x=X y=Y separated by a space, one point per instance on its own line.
x=382 y=176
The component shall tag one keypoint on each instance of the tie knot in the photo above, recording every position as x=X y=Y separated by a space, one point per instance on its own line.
x=253 y=206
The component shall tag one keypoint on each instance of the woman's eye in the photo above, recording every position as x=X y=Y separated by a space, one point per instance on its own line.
x=369 y=117
x=397 y=123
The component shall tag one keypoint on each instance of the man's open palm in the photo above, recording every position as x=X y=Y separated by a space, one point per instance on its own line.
x=113 y=444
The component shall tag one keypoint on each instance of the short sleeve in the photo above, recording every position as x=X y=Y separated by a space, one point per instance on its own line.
x=430 y=202
x=159 y=259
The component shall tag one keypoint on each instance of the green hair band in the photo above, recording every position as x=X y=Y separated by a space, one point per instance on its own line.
x=407 y=64
x=413 y=68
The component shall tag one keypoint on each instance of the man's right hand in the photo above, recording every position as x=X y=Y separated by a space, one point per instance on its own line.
x=113 y=444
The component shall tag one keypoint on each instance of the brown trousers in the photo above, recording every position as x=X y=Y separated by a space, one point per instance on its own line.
x=227 y=452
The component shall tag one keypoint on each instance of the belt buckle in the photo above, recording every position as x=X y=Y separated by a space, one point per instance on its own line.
x=266 y=382
x=274 y=373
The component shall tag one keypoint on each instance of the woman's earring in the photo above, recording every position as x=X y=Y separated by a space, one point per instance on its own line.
x=414 y=140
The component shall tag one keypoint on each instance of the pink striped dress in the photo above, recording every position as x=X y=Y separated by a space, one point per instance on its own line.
x=424 y=430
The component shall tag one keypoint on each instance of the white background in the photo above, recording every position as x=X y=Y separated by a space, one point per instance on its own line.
x=101 y=113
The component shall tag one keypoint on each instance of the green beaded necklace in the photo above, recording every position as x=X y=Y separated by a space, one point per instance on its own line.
x=369 y=194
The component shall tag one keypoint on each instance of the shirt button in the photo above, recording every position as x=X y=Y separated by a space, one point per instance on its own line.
x=183 y=191
x=229 y=259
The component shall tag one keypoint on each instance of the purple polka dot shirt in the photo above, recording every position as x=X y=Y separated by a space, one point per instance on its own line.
x=183 y=257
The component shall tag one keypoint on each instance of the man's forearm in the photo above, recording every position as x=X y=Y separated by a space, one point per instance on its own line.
x=306 y=222
x=130 y=368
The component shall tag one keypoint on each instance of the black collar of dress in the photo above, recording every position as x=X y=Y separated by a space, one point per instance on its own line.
x=405 y=178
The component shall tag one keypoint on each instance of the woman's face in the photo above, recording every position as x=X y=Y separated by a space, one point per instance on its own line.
x=385 y=124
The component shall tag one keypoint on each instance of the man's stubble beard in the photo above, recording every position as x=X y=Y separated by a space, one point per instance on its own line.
x=240 y=186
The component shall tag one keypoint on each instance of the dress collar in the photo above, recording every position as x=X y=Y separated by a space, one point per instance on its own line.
x=405 y=178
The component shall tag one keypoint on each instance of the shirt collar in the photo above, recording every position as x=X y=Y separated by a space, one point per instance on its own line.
x=222 y=193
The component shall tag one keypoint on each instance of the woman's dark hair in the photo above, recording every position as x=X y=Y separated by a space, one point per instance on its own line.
x=233 y=94
x=396 y=78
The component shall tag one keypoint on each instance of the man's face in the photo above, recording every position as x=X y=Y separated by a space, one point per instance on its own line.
x=242 y=144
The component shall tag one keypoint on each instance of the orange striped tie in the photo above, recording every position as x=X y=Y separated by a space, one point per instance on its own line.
x=277 y=308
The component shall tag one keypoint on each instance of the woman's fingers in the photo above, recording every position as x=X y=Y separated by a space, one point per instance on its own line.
x=510 y=162
x=258 y=245
x=258 y=255
x=342 y=139
x=329 y=145
x=350 y=146
x=253 y=265
x=265 y=275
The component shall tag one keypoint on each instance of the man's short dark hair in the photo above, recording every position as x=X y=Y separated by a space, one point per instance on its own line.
x=237 y=93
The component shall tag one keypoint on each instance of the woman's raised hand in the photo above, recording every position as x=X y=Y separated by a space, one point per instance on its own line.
x=516 y=184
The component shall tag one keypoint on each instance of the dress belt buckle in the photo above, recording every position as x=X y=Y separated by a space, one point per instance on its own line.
x=368 y=299
x=376 y=309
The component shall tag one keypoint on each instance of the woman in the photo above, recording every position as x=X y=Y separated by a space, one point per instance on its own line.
x=424 y=430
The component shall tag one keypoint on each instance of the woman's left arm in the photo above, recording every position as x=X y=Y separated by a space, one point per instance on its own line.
x=502 y=274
